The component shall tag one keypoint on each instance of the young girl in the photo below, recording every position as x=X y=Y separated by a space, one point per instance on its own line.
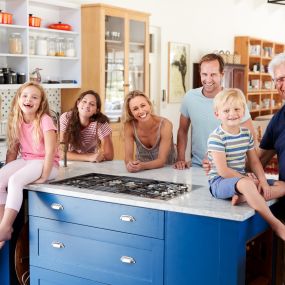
x=32 y=134
x=86 y=130
x=228 y=146
x=152 y=135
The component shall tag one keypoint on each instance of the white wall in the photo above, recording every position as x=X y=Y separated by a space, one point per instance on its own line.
x=207 y=25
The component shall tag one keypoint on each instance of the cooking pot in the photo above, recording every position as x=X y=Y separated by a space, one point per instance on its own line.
x=60 y=26
x=6 y=18
x=34 y=21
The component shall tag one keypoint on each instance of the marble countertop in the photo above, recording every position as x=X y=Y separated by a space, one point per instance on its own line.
x=196 y=202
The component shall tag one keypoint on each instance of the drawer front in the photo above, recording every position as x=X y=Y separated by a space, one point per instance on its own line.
x=123 y=218
x=48 y=277
x=100 y=255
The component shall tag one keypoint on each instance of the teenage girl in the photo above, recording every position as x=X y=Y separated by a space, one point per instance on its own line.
x=86 y=131
x=33 y=136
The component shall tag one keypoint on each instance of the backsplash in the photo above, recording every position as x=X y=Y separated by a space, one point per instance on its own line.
x=7 y=96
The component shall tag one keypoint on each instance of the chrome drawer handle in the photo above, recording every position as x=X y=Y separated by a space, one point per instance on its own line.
x=128 y=260
x=57 y=244
x=56 y=206
x=127 y=218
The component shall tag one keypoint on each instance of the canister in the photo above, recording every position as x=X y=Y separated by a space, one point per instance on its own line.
x=51 y=46
x=41 y=46
x=15 y=43
x=70 y=47
x=1 y=78
x=60 y=47
x=32 y=45
x=21 y=78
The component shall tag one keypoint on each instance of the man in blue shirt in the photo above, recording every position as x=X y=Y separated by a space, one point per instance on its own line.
x=197 y=110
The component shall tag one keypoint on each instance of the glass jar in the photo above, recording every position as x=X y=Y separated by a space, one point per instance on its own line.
x=41 y=46
x=60 y=47
x=15 y=43
x=32 y=45
x=51 y=46
x=70 y=47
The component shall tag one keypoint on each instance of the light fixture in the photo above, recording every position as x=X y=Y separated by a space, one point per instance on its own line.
x=280 y=2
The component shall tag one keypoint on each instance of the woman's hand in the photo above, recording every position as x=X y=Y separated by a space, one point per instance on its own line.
x=134 y=166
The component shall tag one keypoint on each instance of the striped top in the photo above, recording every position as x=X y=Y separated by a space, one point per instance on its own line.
x=144 y=153
x=234 y=146
x=90 y=136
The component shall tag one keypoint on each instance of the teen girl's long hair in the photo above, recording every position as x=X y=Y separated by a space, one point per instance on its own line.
x=15 y=117
x=74 y=126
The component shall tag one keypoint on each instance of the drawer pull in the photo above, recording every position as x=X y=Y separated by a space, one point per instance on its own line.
x=57 y=244
x=56 y=206
x=128 y=260
x=127 y=218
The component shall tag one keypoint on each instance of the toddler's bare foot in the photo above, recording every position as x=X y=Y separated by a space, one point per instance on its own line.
x=5 y=233
x=237 y=199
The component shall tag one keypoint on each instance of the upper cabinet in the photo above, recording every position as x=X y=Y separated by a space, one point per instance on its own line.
x=262 y=97
x=30 y=43
x=115 y=54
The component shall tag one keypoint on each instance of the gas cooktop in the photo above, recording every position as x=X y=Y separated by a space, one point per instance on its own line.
x=147 y=188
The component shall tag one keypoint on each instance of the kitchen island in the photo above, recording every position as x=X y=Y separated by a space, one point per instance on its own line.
x=81 y=236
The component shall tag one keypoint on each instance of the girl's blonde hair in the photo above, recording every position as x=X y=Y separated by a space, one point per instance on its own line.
x=15 y=117
x=127 y=114
x=229 y=94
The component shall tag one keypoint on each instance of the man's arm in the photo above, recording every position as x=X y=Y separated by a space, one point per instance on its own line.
x=182 y=139
x=265 y=155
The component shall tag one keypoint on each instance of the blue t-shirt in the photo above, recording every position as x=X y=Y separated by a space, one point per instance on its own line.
x=274 y=139
x=199 y=109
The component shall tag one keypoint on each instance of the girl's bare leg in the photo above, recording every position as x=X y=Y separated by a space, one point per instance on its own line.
x=7 y=223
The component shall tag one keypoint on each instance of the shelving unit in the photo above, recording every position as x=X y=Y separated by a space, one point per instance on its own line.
x=55 y=68
x=256 y=54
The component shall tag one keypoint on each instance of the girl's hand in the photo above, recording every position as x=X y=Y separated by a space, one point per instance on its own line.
x=96 y=157
x=134 y=166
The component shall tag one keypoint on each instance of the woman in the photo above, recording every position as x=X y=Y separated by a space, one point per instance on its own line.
x=86 y=131
x=152 y=135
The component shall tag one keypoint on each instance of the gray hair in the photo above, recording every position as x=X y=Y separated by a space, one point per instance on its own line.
x=276 y=61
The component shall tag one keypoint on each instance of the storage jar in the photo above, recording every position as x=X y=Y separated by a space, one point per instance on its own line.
x=15 y=43
x=51 y=46
x=70 y=47
x=60 y=47
x=32 y=45
x=41 y=46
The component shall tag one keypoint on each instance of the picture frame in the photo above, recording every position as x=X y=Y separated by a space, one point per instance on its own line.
x=178 y=71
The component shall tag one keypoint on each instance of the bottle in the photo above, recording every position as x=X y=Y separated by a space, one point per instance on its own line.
x=41 y=46
x=60 y=47
x=15 y=43
x=70 y=47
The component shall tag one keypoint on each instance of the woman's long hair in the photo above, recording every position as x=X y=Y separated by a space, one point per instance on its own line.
x=15 y=117
x=74 y=126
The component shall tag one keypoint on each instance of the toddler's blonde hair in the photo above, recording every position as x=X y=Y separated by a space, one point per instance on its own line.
x=229 y=95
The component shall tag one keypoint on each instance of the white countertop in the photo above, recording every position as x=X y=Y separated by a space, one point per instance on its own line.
x=196 y=202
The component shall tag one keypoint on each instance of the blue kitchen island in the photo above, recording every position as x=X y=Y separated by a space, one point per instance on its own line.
x=80 y=236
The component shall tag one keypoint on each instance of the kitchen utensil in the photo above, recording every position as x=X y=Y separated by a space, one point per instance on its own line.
x=34 y=21
x=60 y=26
x=6 y=18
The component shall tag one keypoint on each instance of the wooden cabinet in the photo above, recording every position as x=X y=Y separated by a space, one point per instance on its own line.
x=233 y=76
x=256 y=54
x=62 y=69
x=116 y=244
x=115 y=50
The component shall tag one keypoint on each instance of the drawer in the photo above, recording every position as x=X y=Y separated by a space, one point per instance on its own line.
x=48 y=277
x=123 y=218
x=95 y=254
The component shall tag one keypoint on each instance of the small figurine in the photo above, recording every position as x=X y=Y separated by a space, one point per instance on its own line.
x=35 y=75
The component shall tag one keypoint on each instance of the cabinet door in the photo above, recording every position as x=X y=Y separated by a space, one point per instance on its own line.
x=234 y=76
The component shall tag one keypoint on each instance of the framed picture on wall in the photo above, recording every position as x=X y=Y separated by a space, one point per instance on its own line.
x=178 y=71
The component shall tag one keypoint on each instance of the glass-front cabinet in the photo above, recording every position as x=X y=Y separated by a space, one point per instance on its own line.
x=115 y=49
x=125 y=57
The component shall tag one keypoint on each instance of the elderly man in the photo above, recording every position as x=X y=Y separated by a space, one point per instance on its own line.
x=273 y=140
